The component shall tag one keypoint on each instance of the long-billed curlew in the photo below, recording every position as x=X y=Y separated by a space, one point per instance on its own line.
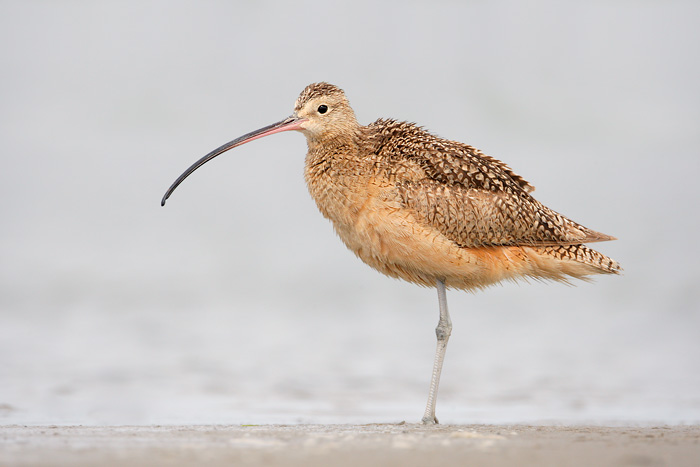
x=426 y=209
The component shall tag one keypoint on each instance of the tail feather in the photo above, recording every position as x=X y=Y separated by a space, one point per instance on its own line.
x=581 y=254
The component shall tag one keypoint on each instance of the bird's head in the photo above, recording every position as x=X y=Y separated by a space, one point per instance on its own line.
x=327 y=113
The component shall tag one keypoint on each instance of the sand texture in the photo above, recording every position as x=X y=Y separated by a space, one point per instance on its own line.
x=349 y=445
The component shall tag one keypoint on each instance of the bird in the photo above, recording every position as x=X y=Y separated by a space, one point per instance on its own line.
x=431 y=211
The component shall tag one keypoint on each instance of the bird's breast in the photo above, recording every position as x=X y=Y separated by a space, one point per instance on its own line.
x=369 y=217
x=362 y=205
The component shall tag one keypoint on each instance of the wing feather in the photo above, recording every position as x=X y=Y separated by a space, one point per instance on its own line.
x=471 y=198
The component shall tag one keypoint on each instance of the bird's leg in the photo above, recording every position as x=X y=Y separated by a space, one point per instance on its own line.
x=443 y=331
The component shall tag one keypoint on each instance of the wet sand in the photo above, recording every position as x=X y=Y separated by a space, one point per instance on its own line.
x=350 y=445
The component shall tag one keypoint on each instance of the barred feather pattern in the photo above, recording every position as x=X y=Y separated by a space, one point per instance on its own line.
x=471 y=198
x=583 y=254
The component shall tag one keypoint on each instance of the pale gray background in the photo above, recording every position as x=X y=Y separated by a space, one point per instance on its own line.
x=236 y=303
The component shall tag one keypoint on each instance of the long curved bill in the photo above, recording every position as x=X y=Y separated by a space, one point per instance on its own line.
x=289 y=123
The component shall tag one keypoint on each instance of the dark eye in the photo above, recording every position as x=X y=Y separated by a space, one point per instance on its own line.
x=323 y=108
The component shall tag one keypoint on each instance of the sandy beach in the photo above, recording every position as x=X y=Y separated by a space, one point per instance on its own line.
x=341 y=445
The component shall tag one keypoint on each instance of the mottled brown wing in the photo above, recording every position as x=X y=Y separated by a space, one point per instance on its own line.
x=473 y=199
x=473 y=217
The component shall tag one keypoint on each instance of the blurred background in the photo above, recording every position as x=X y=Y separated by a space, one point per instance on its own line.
x=237 y=304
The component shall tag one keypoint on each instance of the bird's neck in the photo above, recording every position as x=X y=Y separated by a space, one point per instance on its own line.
x=332 y=148
x=333 y=167
x=327 y=159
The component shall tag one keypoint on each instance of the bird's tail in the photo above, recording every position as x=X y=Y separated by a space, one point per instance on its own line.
x=576 y=261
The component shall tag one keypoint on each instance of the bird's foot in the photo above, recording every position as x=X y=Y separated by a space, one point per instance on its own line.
x=430 y=421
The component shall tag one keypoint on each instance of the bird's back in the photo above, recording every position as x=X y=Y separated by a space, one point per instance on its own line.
x=473 y=199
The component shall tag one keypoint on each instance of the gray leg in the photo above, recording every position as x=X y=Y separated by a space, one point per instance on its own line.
x=443 y=331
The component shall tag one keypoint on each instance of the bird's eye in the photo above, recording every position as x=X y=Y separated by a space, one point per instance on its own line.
x=323 y=108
